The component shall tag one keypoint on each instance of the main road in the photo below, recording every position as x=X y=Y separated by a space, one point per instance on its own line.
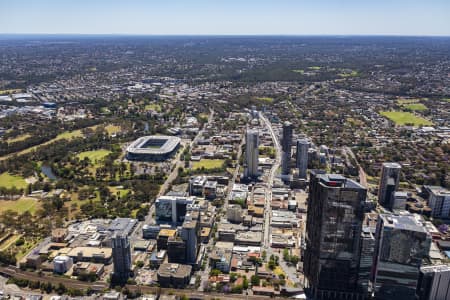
x=179 y=163
x=289 y=270
x=272 y=173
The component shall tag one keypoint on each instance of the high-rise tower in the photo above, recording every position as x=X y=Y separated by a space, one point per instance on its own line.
x=286 y=146
x=390 y=178
x=251 y=153
x=333 y=231
x=401 y=243
x=121 y=253
x=302 y=157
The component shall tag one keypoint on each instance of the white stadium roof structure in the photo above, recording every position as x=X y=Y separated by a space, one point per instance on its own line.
x=153 y=147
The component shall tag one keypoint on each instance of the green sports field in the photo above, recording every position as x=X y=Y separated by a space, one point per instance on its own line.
x=415 y=106
x=208 y=164
x=8 y=180
x=94 y=155
x=21 y=205
x=265 y=99
x=403 y=118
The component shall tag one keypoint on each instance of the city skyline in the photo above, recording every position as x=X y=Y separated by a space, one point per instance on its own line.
x=199 y=17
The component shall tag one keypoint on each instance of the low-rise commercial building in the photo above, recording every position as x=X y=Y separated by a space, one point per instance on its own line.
x=174 y=275
x=221 y=260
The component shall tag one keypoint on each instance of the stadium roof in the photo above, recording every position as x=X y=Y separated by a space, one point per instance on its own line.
x=169 y=145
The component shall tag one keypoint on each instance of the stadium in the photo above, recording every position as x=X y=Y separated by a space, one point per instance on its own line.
x=153 y=148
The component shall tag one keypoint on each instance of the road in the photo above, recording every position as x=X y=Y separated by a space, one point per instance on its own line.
x=273 y=170
x=362 y=173
x=149 y=219
x=235 y=175
x=178 y=163
x=291 y=272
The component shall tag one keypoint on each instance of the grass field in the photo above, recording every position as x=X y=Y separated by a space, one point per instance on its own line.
x=19 y=138
x=68 y=135
x=415 y=106
x=113 y=129
x=105 y=110
x=21 y=205
x=407 y=101
x=11 y=91
x=94 y=155
x=265 y=99
x=355 y=122
x=299 y=71
x=403 y=118
x=122 y=192
x=153 y=106
x=347 y=74
x=315 y=68
x=8 y=180
x=208 y=164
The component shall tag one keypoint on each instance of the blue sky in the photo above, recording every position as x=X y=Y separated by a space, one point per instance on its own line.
x=287 y=17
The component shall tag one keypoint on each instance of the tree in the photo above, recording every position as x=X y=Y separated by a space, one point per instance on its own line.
x=294 y=259
x=237 y=289
x=214 y=272
x=255 y=280
x=272 y=265
x=20 y=241
x=139 y=264
x=61 y=289
x=245 y=283
x=286 y=254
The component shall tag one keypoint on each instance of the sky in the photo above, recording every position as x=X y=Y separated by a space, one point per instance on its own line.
x=226 y=17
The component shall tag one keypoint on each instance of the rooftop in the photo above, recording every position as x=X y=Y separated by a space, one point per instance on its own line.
x=154 y=144
x=175 y=270
x=337 y=180
x=167 y=232
x=392 y=165
x=438 y=190
x=402 y=222
x=123 y=225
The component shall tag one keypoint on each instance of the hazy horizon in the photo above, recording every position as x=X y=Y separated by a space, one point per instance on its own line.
x=227 y=18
